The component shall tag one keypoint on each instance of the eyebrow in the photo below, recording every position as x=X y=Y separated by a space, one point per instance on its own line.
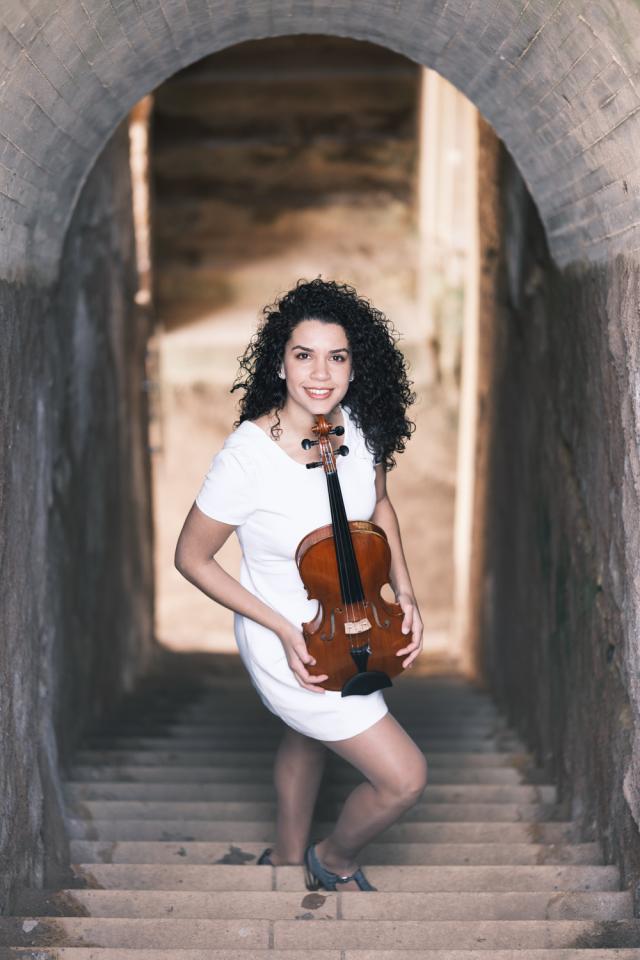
x=299 y=346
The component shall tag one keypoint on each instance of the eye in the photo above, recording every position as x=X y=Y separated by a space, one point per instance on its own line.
x=299 y=356
x=339 y=356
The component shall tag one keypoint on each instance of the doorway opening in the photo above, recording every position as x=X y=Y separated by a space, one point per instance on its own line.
x=301 y=157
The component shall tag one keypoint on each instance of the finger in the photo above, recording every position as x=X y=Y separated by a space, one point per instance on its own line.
x=409 y=661
x=303 y=655
x=408 y=620
x=311 y=678
x=300 y=668
x=310 y=685
x=307 y=677
x=416 y=638
x=408 y=649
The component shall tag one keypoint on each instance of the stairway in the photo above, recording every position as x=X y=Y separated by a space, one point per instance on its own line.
x=169 y=807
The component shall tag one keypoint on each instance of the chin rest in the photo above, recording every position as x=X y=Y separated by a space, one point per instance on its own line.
x=366 y=682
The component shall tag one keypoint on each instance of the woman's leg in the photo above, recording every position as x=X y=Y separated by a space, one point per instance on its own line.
x=396 y=771
x=297 y=772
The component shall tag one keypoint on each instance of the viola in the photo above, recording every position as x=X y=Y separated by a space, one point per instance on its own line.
x=344 y=565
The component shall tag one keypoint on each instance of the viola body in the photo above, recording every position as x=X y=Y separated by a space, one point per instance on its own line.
x=347 y=638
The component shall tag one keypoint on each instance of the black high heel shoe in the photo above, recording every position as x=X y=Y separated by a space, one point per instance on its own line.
x=316 y=875
x=264 y=857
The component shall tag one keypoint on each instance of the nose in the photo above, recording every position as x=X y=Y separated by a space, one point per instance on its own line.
x=320 y=369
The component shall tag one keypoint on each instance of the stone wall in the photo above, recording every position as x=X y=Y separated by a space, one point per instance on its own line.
x=559 y=628
x=75 y=606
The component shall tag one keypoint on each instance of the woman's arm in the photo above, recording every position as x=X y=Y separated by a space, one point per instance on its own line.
x=385 y=516
x=200 y=539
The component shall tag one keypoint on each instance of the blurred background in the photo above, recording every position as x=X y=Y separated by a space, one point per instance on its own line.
x=295 y=158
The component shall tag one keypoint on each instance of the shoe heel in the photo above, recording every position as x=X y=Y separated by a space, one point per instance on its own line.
x=311 y=882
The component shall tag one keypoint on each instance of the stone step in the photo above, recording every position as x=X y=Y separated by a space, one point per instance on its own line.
x=424 y=704
x=434 y=793
x=420 y=699
x=247 y=741
x=260 y=758
x=222 y=721
x=180 y=829
x=237 y=706
x=239 y=773
x=352 y=905
x=559 y=878
x=166 y=808
x=208 y=687
x=413 y=690
x=123 y=953
x=169 y=934
x=158 y=851
x=189 y=783
x=231 y=711
x=487 y=864
x=255 y=725
x=265 y=743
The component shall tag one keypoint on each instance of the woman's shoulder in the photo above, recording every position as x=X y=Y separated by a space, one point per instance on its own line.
x=241 y=442
x=241 y=435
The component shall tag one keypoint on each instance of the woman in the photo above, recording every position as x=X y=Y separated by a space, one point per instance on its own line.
x=320 y=349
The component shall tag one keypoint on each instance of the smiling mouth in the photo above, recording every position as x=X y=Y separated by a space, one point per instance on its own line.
x=318 y=394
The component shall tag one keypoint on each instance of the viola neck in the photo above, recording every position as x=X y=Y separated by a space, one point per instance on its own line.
x=348 y=573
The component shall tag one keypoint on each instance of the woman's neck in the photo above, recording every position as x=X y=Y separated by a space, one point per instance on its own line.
x=298 y=422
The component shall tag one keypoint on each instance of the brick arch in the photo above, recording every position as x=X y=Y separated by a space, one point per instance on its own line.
x=556 y=81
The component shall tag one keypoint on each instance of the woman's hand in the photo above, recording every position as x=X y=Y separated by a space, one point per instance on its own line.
x=411 y=623
x=295 y=647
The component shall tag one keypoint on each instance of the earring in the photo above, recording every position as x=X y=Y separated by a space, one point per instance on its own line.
x=350 y=378
x=281 y=373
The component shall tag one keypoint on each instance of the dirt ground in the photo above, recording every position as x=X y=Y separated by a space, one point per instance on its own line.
x=195 y=421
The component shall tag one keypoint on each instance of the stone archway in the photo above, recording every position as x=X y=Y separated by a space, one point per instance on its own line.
x=555 y=81
x=558 y=85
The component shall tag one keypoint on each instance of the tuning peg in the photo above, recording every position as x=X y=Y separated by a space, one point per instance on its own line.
x=342 y=451
x=307 y=444
x=316 y=463
x=337 y=430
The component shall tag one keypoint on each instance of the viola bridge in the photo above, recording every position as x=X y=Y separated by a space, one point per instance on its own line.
x=357 y=626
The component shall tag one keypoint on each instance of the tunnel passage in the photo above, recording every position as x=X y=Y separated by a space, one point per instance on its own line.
x=556 y=553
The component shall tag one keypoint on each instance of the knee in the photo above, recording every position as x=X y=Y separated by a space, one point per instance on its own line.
x=411 y=785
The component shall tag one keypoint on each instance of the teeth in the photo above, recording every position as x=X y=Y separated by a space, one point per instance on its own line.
x=318 y=393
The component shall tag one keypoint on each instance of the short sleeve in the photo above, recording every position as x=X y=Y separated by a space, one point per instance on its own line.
x=226 y=492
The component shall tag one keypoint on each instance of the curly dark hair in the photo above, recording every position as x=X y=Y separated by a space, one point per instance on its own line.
x=380 y=392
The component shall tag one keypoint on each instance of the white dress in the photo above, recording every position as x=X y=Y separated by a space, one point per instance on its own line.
x=274 y=501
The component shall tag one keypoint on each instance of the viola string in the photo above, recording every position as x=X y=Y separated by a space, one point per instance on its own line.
x=342 y=551
x=346 y=547
x=353 y=562
x=341 y=548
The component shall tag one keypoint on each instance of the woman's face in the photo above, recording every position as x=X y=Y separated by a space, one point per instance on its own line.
x=317 y=365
